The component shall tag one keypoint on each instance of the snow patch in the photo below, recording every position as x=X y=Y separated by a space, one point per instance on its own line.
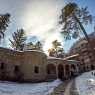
x=86 y=84
x=11 y=88
x=53 y=85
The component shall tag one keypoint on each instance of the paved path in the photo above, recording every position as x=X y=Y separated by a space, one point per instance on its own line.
x=71 y=88
x=68 y=88
x=60 y=89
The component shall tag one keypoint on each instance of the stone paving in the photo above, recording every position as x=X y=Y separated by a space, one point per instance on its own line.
x=60 y=89
x=66 y=88
x=73 y=89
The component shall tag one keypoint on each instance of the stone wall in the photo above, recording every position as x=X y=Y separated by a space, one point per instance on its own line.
x=33 y=66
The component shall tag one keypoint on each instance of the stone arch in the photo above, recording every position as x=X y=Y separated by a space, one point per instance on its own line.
x=73 y=70
x=60 y=71
x=84 y=68
x=92 y=67
x=67 y=70
x=73 y=66
x=51 y=69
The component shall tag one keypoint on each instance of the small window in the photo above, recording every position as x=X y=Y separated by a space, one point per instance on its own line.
x=90 y=56
x=82 y=60
x=2 y=66
x=36 y=69
x=48 y=71
x=16 y=69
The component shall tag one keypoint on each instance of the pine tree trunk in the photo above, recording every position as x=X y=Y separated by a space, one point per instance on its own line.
x=86 y=36
x=82 y=28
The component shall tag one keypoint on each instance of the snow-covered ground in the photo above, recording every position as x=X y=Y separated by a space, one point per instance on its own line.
x=85 y=84
x=11 y=88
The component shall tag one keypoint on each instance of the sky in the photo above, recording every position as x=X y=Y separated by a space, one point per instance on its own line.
x=39 y=19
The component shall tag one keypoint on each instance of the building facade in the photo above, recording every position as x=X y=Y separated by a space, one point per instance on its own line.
x=86 y=53
x=34 y=66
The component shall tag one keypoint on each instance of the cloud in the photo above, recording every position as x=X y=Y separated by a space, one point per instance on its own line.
x=41 y=18
x=37 y=17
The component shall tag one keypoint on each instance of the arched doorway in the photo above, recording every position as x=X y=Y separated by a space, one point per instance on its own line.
x=51 y=69
x=67 y=71
x=73 y=70
x=60 y=71
x=92 y=67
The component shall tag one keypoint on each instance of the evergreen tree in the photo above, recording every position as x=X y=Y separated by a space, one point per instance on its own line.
x=18 y=40
x=73 y=18
x=4 y=22
x=29 y=46
x=56 y=50
x=38 y=46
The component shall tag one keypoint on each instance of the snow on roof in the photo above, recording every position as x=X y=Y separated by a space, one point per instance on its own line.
x=63 y=59
x=75 y=55
x=66 y=58
x=34 y=50
x=54 y=58
x=73 y=61
x=22 y=51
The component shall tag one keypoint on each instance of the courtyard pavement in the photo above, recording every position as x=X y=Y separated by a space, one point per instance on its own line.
x=66 y=88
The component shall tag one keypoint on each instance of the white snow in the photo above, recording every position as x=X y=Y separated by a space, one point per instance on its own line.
x=85 y=84
x=11 y=88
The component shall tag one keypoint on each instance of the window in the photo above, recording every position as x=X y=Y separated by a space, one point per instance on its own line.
x=2 y=66
x=82 y=60
x=16 y=69
x=90 y=56
x=82 y=45
x=36 y=69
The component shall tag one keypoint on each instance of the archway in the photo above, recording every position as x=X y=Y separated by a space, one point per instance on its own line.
x=60 y=71
x=92 y=67
x=73 y=70
x=51 y=69
x=67 y=71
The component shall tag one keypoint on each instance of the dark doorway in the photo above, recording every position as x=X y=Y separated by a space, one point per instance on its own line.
x=16 y=73
x=16 y=69
x=67 y=71
x=51 y=69
x=2 y=66
x=3 y=71
x=60 y=71
x=73 y=69
x=92 y=67
x=36 y=69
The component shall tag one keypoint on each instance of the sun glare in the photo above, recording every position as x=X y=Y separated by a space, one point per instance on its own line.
x=41 y=20
x=48 y=42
